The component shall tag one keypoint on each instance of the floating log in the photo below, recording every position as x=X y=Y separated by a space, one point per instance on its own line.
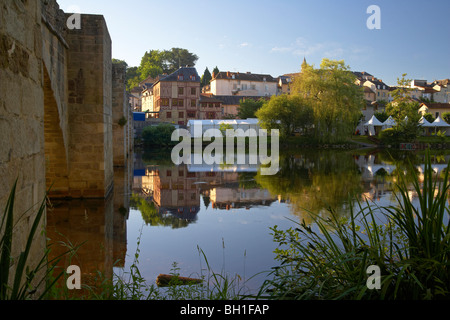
x=166 y=280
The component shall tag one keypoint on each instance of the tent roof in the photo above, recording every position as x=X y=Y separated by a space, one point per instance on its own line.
x=439 y=122
x=389 y=121
x=373 y=122
x=424 y=122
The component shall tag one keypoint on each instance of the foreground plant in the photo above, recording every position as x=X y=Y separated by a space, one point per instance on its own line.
x=26 y=283
x=409 y=244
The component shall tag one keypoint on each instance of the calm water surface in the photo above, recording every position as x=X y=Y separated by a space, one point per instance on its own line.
x=168 y=213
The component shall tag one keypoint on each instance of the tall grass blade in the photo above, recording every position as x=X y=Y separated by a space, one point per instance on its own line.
x=6 y=242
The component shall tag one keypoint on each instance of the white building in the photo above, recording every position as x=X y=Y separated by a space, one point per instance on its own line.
x=243 y=84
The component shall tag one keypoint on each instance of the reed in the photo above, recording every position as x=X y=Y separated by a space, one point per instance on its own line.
x=410 y=244
x=18 y=280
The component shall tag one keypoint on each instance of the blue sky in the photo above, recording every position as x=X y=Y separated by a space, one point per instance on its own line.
x=272 y=37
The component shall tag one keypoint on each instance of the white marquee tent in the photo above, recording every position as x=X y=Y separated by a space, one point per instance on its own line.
x=194 y=126
x=372 y=124
x=389 y=123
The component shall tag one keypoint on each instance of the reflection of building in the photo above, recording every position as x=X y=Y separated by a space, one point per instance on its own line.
x=176 y=190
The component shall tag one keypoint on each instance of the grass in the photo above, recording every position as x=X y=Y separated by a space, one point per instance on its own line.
x=330 y=261
x=327 y=260
x=131 y=285
x=18 y=279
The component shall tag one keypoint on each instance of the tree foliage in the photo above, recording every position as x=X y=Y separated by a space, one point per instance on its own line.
x=248 y=108
x=334 y=97
x=206 y=77
x=159 y=135
x=405 y=111
x=158 y=62
x=446 y=117
x=286 y=113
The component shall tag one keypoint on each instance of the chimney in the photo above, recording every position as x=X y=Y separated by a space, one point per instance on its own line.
x=213 y=75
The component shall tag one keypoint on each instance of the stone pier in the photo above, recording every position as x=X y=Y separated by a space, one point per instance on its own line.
x=64 y=121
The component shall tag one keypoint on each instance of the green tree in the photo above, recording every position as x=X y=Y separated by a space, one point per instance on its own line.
x=286 y=113
x=429 y=117
x=223 y=127
x=177 y=58
x=248 y=107
x=157 y=62
x=335 y=98
x=381 y=116
x=206 y=78
x=159 y=135
x=405 y=111
x=120 y=62
x=446 y=117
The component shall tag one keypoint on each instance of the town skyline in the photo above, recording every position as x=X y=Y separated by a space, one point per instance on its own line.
x=273 y=37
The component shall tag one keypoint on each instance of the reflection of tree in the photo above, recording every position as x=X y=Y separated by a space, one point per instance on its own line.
x=151 y=215
x=206 y=201
x=314 y=182
x=247 y=180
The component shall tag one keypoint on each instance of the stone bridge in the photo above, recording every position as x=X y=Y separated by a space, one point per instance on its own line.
x=62 y=100
x=64 y=116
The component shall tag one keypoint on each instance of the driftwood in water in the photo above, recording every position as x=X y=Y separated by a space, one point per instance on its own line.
x=166 y=280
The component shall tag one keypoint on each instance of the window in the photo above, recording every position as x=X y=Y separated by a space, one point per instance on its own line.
x=193 y=77
x=165 y=102
x=191 y=114
x=181 y=114
x=169 y=115
x=193 y=91
x=180 y=102
x=181 y=90
x=169 y=173
x=180 y=173
x=180 y=77
x=174 y=102
x=253 y=86
x=193 y=103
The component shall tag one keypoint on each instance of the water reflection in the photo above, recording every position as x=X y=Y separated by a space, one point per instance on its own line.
x=97 y=228
x=170 y=195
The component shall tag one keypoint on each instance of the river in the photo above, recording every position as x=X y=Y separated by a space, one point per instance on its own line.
x=179 y=218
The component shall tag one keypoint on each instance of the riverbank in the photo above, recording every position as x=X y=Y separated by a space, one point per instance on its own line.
x=354 y=142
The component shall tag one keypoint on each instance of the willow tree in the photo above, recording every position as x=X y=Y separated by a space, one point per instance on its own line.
x=335 y=98
x=286 y=113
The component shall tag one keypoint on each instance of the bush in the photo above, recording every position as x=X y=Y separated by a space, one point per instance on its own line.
x=389 y=136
